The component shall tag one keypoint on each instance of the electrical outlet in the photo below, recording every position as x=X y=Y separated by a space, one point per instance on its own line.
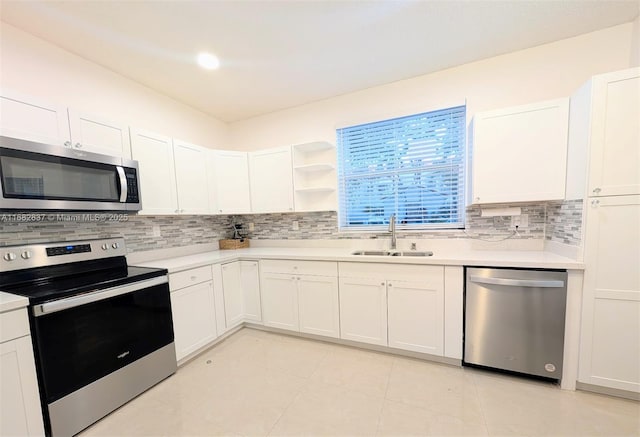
x=295 y=225
x=521 y=221
x=156 y=231
x=252 y=227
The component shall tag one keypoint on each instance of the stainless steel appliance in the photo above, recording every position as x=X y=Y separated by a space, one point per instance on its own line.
x=514 y=320
x=38 y=176
x=102 y=331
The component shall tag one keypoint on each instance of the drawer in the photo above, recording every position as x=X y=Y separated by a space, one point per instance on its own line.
x=402 y=272
x=317 y=268
x=189 y=277
x=13 y=324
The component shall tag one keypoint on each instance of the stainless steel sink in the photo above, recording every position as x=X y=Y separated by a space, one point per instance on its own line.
x=391 y=253
x=372 y=252
x=412 y=253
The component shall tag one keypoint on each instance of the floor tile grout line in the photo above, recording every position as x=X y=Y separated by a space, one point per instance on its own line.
x=384 y=398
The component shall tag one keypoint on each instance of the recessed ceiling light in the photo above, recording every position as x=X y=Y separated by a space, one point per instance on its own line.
x=208 y=61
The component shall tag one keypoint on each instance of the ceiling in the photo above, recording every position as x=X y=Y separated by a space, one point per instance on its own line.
x=280 y=54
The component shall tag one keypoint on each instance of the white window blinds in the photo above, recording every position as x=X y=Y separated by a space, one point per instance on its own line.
x=411 y=166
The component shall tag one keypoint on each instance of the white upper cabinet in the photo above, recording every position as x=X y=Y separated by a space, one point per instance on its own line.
x=190 y=163
x=519 y=154
x=31 y=119
x=228 y=174
x=614 y=168
x=154 y=153
x=271 y=180
x=98 y=135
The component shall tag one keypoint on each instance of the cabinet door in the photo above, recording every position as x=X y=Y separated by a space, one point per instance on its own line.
x=610 y=335
x=191 y=178
x=232 y=289
x=154 y=153
x=520 y=154
x=615 y=135
x=31 y=119
x=416 y=315
x=271 y=178
x=98 y=135
x=318 y=305
x=20 y=414
x=279 y=301
x=250 y=279
x=194 y=321
x=228 y=175
x=363 y=310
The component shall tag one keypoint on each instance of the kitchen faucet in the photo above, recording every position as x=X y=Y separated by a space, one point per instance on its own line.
x=392 y=229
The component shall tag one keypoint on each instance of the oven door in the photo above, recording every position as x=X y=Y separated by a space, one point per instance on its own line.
x=39 y=176
x=84 y=338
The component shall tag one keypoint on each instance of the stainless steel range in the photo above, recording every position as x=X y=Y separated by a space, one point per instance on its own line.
x=102 y=330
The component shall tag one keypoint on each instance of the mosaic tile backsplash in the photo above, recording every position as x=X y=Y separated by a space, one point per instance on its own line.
x=557 y=222
x=139 y=231
x=564 y=222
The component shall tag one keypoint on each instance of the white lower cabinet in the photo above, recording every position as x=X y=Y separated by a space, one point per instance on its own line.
x=301 y=296
x=193 y=310
x=400 y=306
x=20 y=413
x=318 y=308
x=416 y=316
x=610 y=334
x=250 y=284
x=233 y=294
x=280 y=301
x=363 y=310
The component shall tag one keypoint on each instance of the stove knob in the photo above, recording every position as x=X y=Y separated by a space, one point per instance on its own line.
x=115 y=245
x=105 y=246
x=9 y=256
x=26 y=254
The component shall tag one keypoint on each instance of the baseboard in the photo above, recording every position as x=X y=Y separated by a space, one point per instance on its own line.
x=634 y=396
x=358 y=345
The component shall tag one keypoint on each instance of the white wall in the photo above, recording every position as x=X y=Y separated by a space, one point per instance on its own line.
x=32 y=66
x=544 y=72
x=635 y=43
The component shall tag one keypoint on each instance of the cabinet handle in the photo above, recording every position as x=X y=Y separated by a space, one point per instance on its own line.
x=293 y=278
x=67 y=143
x=382 y=283
x=182 y=210
x=219 y=210
x=78 y=146
x=295 y=267
x=390 y=285
x=596 y=190
x=595 y=202
x=298 y=278
x=177 y=211
x=193 y=278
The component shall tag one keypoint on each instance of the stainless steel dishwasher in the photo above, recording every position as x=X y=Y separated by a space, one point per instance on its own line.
x=514 y=320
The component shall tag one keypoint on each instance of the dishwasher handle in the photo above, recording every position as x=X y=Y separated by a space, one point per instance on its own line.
x=518 y=282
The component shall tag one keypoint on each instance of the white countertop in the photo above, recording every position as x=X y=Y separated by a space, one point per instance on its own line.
x=10 y=302
x=502 y=258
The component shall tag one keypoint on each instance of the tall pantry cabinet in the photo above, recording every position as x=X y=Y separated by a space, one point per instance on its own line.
x=604 y=157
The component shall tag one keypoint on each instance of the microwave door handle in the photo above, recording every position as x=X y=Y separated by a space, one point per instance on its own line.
x=123 y=184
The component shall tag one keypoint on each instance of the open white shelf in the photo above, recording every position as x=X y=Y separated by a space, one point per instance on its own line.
x=314 y=176
x=316 y=190
x=315 y=167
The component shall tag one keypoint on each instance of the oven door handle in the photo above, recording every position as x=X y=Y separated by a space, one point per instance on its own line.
x=95 y=296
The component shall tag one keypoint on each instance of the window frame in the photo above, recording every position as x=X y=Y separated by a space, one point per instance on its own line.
x=459 y=163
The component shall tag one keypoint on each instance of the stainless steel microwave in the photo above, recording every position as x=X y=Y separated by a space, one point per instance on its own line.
x=38 y=176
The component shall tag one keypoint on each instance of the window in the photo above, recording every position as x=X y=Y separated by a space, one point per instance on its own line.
x=411 y=166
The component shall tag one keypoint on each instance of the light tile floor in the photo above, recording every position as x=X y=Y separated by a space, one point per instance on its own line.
x=259 y=383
